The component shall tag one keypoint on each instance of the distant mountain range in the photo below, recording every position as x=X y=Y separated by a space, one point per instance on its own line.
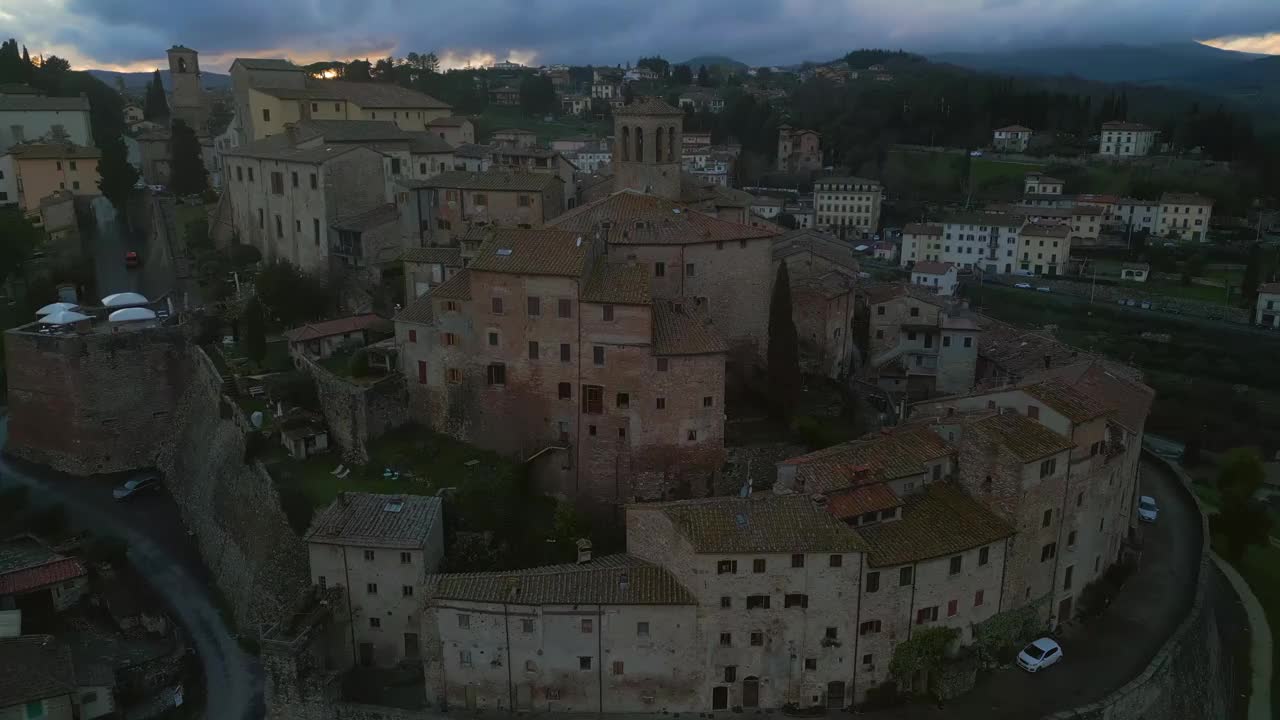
x=713 y=61
x=137 y=81
x=1169 y=62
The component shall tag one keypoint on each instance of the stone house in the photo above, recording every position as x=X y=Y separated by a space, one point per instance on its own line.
x=453 y=130
x=1035 y=183
x=442 y=208
x=319 y=340
x=38 y=580
x=42 y=169
x=799 y=150
x=37 y=679
x=514 y=137
x=379 y=549
x=520 y=158
x=919 y=344
x=1267 y=307
x=823 y=273
x=1185 y=217
x=1121 y=139
x=504 y=95
x=427 y=267
x=938 y=278
x=885 y=250
x=471 y=157
x=1011 y=138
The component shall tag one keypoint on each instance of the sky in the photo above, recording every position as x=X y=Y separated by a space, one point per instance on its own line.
x=133 y=34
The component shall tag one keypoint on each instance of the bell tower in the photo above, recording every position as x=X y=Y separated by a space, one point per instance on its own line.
x=188 y=95
x=646 y=148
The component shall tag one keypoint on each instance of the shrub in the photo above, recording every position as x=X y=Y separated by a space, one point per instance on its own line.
x=358 y=365
x=882 y=696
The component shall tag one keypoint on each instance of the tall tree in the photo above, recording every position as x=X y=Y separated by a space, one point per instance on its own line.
x=682 y=75
x=156 y=105
x=704 y=77
x=1252 y=277
x=784 y=353
x=20 y=239
x=255 y=331
x=537 y=95
x=116 y=175
x=187 y=175
x=1241 y=521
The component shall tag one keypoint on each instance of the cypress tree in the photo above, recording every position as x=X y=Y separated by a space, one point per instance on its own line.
x=156 y=105
x=784 y=353
x=187 y=173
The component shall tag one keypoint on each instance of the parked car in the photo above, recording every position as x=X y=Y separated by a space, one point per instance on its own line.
x=131 y=259
x=975 y=153
x=1039 y=655
x=135 y=487
x=1146 y=304
x=1022 y=286
x=1147 y=510
x=1044 y=289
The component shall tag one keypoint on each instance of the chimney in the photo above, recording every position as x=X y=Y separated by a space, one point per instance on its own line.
x=1048 y=361
x=291 y=132
x=584 y=551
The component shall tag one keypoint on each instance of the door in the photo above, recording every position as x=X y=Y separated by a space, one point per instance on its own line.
x=835 y=694
x=1064 y=610
x=422 y=372
x=720 y=698
x=366 y=654
x=411 y=646
x=471 y=697
x=751 y=692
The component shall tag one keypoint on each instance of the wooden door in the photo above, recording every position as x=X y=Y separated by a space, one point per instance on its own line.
x=720 y=698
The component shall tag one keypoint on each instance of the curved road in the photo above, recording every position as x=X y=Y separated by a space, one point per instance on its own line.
x=162 y=553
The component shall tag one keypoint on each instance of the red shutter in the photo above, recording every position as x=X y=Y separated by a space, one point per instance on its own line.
x=422 y=372
x=413 y=336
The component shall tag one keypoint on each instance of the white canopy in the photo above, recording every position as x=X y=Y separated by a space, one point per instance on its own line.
x=63 y=317
x=132 y=313
x=124 y=299
x=52 y=308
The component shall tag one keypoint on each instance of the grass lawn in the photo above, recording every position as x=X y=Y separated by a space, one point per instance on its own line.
x=1199 y=293
x=499 y=118
x=986 y=170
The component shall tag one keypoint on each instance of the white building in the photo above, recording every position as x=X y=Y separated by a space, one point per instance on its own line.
x=766 y=206
x=1011 y=138
x=847 y=206
x=1125 y=139
x=592 y=158
x=1135 y=272
x=1267 y=309
x=36 y=118
x=986 y=241
x=1137 y=215
x=605 y=90
x=938 y=277
x=1034 y=183
x=1185 y=217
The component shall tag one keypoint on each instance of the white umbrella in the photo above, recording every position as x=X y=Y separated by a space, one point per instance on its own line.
x=52 y=308
x=124 y=299
x=131 y=313
x=63 y=317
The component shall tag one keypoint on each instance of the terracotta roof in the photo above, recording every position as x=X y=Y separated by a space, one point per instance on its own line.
x=1049 y=231
x=1174 y=198
x=1027 y=439
x=55 y=151
x=921 y=229
x=29 y=102
x=457 y=287
x=609 y=580
x=683 y=328
x=649 y=106
x=492 y=180
x=760 y=524
x=887 y=455
x=533 y=252
x=448 y=256
x=824 y=245
x=850 y=504
x=845 y=181
x=1019 y=351
x=618 y=283
x=472 y=150
x=419 y=311
x=34 y=667
x=57 y=570
x=364 y=94
x=1110 y=384
x=1121 y=125
x=1066 y=400
x=982 y=217
x=640 y=219
x=280 y=147
x=369 y=520
x=266 y=64
x=943 y=520
x=451 y=121
x=329 y=328
x=1088 y=210
x=369 y=219
x=929 y=267
x=338 y=131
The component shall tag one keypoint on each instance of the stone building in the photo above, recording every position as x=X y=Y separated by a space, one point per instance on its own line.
x=379 y=549
x=919 y=344
x=1011 y=138
x=799 y=151
x=1185 y=216
x=520 y=158
x=823 y=273
x=1120 y=139
x=453 y=130
x=425 y=268
x=441 y=209
x=189 y=102
x=647 y=148
x=848 y=206
x=543 y=349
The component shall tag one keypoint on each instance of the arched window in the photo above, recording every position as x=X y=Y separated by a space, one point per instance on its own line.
x=639 y=144
x=626 y=142
x=657 y=145
x=182 y=64
x=671 y=144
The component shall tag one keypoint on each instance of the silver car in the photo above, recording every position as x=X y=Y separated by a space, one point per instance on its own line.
x=135 y=487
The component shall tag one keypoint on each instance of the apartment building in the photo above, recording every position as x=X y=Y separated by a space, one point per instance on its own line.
x=42 y=169
x=34 y=118
x=1011 y=138
x=453 y=130
x=591 y=158
x=986 y=241
x=1185 y=217
x=938 y=278
x=440 y=209
x=799 y=150
x=1137 y=215
x=1125 y=139
x=1043 y=249
x=848 y=206
x=379 y=549
x=920 y=344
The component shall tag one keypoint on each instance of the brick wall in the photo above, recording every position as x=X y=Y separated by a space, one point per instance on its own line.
x=96 y=403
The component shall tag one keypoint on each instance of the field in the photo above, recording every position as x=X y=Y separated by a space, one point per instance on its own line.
x=497 y=117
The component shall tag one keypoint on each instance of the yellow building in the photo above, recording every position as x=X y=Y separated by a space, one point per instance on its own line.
x=274 y=107
x=1043 y=249
x=45 y=168
x=1185 y=216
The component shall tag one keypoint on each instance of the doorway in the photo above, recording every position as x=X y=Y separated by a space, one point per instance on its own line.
x=720 y=698
x=366 y=654
x=835 y=695
x=1064 y=610
x=751 y=692
x=411 y=646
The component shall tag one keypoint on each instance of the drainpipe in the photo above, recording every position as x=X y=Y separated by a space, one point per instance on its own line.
x=578 y=411
x=1058 y=549
x=857 y=626
x=351 y=620
x=911 y=607
x=600 y=656
x=1004 y=571
x=511 y=685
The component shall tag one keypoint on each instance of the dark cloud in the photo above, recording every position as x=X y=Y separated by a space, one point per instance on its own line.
x=611 y=31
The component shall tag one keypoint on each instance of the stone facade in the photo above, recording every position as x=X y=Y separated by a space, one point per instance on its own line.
x=357 y=413
x=798 y=150
x=647 y=148
x=919 y=344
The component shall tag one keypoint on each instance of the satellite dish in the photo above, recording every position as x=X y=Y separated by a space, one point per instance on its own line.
x=256 y=419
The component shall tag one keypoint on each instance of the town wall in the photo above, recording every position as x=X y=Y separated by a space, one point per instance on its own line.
x=100 y=402
x=356 y=414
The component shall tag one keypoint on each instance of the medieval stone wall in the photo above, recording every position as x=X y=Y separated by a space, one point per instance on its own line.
x=357 y=413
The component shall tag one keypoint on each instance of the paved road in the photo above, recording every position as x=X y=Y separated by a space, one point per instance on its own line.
x=153 y=278
x=1116 y=647
x=163 y=553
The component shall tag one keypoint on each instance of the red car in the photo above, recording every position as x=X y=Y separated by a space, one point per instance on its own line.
x=131 y=259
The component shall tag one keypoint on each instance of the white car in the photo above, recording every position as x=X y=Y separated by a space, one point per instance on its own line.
x=1022 y=286
x=1147 y=510
x=1039 y=655
x=975 y=153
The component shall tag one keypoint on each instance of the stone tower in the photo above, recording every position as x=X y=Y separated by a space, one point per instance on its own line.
x=646 y=148
x=188 y=96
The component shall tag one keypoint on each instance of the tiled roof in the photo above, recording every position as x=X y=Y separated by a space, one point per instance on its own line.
x=426 y=143
x=55 y=151
x=472 y=150
x=851 y=503
x=1018 y=351
x=930 y=267
x=329 y=328
x=682 y=328
x=1049 y=231
x=34 y=667
x=447 y=256
x=845 y=181
x=1042 y=178
x=492 y=180
x=418 y=312
x=824 y=245
x=451 y=121
x=27 y=102
x=1110 y=384
x=364 y=94
x=890 y=454
x=457 y=287
x=1269 y=288
x=760 y=524
x=609 y=580
x=367 y=519
x=649 y=106
x=943 y=520
x=640 y=219
x=921 y=229
x=266 y=64
x=279 y=147
x=533 y=252
x=369 y=219
x=1175 y=198
x=1066 y=400
x=1088 y=210
x=618 y=283
x=340 y=131
x=975 y=217
x=1121 y=125
x=1027 y=439
x=830 y=284
x=35 y=577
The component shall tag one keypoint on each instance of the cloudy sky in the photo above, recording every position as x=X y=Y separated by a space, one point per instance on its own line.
x=132 y=34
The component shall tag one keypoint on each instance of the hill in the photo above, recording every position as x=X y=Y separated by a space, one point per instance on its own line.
x=714 y=61
x=1106 y=63
x=137 y=81
x=1256 y=82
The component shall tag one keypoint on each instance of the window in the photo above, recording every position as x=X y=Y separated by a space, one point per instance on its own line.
x=1048 y=552
x=314 y=183
x=811 y=663
x=453 y=375
x=1079 y=499
x=593 y=399
x=795 y=600
x=315 y=230
x=957 y=562
x=584 y=662
x=689 y=270
x=449 y=339
x=1047 y=520
x=726 y=602
x=371 y=588
x=240 y=173
x=797 y=560
x=480 y=199
x=870 y=627
x=946 y=341
x=915 y=312
x=835 y=561
x=564 y=391
x=726 y=567
x=535 y=307
x=493 y=338
x=1066 y=577
x=659 y=269
x=497 y=374
x=591 y=430
x=1033 y=412
x=279 y=227
x=642 y=629
x=368 y=555
x=566 y=308
x=927 y=615
x=953 y=607
x=586 y=626
x=873 y=581
x=663 y=364
x=533 y=349
x=726 y=639
x=984 y=555
x=375 y=622
x=406 y=591
x=623 y=401
x=597 y=355
x=606 y=313
x=565 y=352
x=757 y=565
x=968 y=342
x=497 y=305
x=250 y=174
x=661 y=403
x=1047 y=468
x=757 y=602
x=406 y=558
x=617 y=667
x=692 y=435
x=757 y=639
x=1071 y=539
x=904 y=576
x=277 y=183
